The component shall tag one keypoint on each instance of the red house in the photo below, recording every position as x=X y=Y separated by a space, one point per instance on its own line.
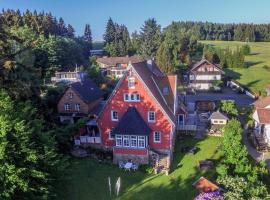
x=138 y=122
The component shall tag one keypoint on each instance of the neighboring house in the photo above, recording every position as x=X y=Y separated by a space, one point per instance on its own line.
x=218 y=120
x=116 y=66
x=79 y=100
x=68 y=76
x=203 y=74
x=261 y=117
x=138 y=122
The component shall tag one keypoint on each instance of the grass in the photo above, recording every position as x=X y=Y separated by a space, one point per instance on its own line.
x=89 y=180
x=256 y=75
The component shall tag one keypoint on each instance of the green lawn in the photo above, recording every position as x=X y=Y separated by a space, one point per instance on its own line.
x=255 y=76
x=88 y=179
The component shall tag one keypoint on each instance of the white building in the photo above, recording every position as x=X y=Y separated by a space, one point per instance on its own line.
x=203 y=74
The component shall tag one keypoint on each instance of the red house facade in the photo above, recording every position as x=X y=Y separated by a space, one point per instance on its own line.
x=138 y=122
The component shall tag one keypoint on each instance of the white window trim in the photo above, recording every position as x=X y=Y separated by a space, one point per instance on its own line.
x=118 y=137
x=148 y=116
x=141 y=138
x=129 y=97
x=133 y=79
x=157 y=141
x=113 y=119
x=111 y=138
x=126 y=138
x=67 y=106
x=183 y=119
x=134 y=139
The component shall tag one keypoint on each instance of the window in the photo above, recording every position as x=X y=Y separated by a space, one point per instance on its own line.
x=132 y=97
x=77 y=106
x=215 y=121
x=126 y=141
x=70 y=95
x=118 y=65
x=181 y=119
x=166 y=91
x=191 y=77
x=133 y=141
x=157 y=137
x=221 y=122
x=111 y=135
x=131 y=82
x=118 y=140
x=126 y=97
x=114 y=115
x=67 y=106
x=151 y=116
x=141 y=142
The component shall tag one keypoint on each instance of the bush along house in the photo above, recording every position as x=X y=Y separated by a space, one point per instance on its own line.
x=138 y=122
x=79 y=100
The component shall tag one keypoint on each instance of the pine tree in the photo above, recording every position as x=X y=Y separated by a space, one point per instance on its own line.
x=150 y=38
x=109 y=35
x=70 y=31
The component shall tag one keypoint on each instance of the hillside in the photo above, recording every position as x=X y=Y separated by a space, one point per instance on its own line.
x=257 y=75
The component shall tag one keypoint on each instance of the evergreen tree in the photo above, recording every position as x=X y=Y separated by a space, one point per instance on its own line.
x=70 y=31
x=150 y=38
x=109 y=35
x=88 y=39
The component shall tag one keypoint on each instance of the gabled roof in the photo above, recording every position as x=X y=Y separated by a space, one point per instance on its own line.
x=198 y=64
x=132 y=124
x=151 y=82
x=149 y=74
x=263 y=115
x=205 y=185
x=218 y=115
x=87 y=90
x=262 y=103
x=112 y=61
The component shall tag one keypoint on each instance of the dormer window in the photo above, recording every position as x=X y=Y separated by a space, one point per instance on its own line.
x=131 y=82
x=166 y=91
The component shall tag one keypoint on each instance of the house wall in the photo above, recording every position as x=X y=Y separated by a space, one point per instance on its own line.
x=84 y=107
x=208 y=77
x=267 y=133
x=147 y=103
x=218 y=121
x=201 y=86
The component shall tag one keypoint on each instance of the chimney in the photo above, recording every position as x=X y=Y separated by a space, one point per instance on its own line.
x=150 y=64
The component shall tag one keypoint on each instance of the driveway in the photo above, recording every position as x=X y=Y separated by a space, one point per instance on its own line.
x=227 y=94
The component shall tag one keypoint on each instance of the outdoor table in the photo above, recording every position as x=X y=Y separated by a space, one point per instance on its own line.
x=128 y=166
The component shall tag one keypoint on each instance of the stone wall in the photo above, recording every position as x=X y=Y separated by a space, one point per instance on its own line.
x=140 y=159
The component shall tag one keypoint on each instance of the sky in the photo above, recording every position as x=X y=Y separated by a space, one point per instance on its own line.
x=133 y=13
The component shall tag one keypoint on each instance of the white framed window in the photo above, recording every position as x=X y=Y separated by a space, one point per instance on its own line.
x=118 y=65
x=77 y=107
x=111 y=135
x=70 y=95
x=126 y=97
x=67 y=106
x=141 y=142
x=135 y=97
x=181 y=120
x=118 y=140
x=157 y=137
x=126 y=141
x=151 y=116
x=114 y=115
x=131 y=82
x=133 y=141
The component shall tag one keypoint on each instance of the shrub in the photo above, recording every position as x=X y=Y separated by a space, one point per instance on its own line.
x=146 y=169
x=245 y=49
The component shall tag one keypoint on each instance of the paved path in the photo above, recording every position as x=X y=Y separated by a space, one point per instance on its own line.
x=256 y=155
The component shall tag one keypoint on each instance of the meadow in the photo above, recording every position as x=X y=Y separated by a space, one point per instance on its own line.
x=256 y=76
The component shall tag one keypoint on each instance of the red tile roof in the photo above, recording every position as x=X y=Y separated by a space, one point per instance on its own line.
x=205 y=185
x=264 y=115
x=262 y=103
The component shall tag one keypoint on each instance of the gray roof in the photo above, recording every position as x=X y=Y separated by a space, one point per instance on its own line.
x=87 y=90
x=218 y=115
x=202 y=61
x=132 y=124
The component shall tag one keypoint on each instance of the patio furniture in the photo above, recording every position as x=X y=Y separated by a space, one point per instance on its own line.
x=121 y=165
x=128 y=166
x=135 y=166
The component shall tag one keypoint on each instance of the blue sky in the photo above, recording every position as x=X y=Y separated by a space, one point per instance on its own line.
x=133 y=13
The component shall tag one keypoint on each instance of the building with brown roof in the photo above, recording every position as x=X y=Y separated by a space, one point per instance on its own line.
x=203 y=74
x=261 y=117
x=116 y=66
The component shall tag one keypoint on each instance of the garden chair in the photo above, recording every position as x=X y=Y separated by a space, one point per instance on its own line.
x=121 y=164
x=135 y=166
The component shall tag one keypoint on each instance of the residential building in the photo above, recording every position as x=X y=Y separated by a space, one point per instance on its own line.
x=68 y=76
x=79 y=100
x=138 y=122
x=218 y=120
x=203 y=74
x=116 y=66
x=261 y=117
